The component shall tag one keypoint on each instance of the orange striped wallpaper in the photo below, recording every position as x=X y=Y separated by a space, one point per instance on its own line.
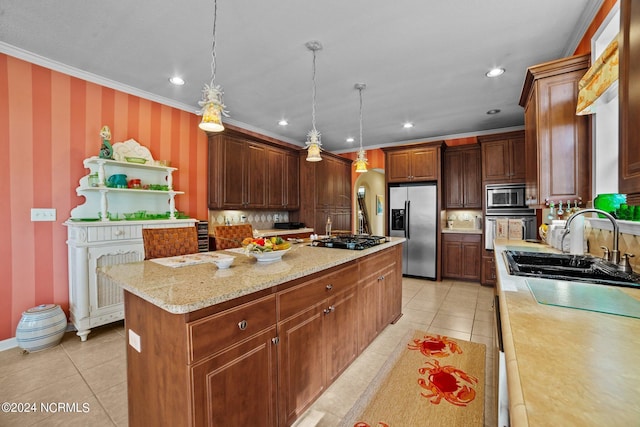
x=49 y=123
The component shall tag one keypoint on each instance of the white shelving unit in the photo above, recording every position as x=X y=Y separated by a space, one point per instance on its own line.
x=95 y=241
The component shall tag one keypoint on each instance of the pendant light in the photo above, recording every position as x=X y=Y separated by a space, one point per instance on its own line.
x=361 y=159
x=313 y=143
x=213 y=107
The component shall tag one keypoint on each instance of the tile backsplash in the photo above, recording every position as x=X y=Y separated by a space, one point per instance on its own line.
x=259 y=220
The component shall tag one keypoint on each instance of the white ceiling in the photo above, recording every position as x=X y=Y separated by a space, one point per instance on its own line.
x=422 y=61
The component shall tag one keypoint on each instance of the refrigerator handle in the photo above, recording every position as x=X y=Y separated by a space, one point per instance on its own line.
x=407 y=226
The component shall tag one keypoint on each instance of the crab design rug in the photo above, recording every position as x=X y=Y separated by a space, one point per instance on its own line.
x=430 y=380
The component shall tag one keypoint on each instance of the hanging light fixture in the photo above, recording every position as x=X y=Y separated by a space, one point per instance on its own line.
x=361 y=159
x=313 y=143
x=213 y=107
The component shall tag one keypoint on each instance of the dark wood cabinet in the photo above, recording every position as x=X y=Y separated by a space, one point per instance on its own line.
x=283 y=180
x=191 y=365
x=246 y=174
x=488 y=270
x=503 y=158
x=413 y=164
x=461 y=255
x=557 y=141
x=629 y=90
x=261 y=359
x=325 y=191
x=463 y=178
x=318 y=336
x=378 y=288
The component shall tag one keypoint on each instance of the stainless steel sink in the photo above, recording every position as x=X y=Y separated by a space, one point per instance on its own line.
x=585 y=268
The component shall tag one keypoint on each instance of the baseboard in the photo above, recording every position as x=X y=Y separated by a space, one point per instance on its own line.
x=10 y=343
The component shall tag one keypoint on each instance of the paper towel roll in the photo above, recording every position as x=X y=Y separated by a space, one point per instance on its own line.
x=576 y=245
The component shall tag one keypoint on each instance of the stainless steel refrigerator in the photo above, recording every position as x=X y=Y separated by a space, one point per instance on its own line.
x=413 y=215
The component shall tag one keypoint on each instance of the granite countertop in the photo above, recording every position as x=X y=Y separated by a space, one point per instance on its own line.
x=282 y=232
x=186 y=289
x=461 y=230
x=566 y=366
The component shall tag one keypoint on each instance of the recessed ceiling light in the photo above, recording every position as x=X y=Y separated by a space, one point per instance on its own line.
x=407 y=125
x=495 y=72
x=350 y=139
x=494 y=111
x=176 y=80
x=283 y=122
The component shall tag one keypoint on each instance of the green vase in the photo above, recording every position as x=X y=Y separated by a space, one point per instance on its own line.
x=609 y=202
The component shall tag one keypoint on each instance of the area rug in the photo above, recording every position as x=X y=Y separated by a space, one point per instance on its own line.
x=429 y=380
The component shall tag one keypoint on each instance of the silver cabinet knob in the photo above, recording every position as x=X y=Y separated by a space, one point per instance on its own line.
x=329 y=287
x=242 y=325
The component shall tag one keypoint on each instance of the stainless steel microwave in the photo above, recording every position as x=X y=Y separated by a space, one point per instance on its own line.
x=501 y=196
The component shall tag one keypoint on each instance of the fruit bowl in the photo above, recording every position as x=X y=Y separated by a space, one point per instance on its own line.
x=269 y=256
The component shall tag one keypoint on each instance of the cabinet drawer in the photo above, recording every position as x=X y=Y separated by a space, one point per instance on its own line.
x=219 y=331
x=114 y=232
x=377 y=262
x=296 y=299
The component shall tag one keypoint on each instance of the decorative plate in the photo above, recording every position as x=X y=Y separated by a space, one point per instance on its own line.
x=132 y=149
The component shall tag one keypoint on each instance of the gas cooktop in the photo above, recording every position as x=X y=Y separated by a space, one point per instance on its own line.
x=353 y=242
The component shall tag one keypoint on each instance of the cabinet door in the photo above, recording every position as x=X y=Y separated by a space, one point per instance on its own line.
x=398 y=169
x=472 y=179
x=243 y=377
x=517 y=156
x=256 y=176
x=496 y=161
x=214 y=165
x=488 y=271
x=470 y=263
x=629 y=145
x=292 y=181
x=563 y=140
x=341 y=332
x=451 y=257
x=301 y=361
x=454 y=179
x=424 y=164
x=325 y=180
x=390 y=298
x=276 y=176
x=233 y=167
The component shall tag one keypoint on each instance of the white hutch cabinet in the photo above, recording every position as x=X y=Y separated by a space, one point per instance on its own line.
x=95 y=240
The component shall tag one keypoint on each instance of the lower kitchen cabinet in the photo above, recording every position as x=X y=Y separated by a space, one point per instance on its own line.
x=461 y=255
x=488 y=270
x=262 y=359
x=378 y=288
x=318 y=338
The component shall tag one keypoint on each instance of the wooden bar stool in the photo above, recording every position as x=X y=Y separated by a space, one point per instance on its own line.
x=231 y=236
x=166 y=242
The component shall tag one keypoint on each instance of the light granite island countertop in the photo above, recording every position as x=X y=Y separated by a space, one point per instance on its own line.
x=186 y=289
x=566 y=366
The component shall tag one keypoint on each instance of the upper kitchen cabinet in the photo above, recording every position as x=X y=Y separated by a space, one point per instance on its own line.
x=414 y=164
x=245 y=173
x=503 y=158
x=557 y=141
x=283 y=191
x=462 y=177
x=327 y=192
x=629 y=90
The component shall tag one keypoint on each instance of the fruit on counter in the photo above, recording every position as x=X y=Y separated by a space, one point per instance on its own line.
x=265 y=244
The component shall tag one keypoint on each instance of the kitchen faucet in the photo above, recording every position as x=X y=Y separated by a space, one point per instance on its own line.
x=614 y=254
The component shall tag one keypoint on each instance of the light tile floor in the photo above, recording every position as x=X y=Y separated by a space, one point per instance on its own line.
x=88 y=379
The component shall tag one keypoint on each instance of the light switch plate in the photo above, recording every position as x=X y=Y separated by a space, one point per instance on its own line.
x=134 y=341
x=43 y=214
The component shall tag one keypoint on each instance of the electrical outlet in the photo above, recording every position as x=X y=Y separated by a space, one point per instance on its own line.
x=134 y=341
x=43 y=214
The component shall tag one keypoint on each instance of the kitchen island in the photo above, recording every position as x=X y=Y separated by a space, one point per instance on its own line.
x=254 y=344
x=566 y=366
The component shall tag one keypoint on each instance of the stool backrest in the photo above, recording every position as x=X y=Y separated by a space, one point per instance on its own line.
x=231 y=236
x=165 y=242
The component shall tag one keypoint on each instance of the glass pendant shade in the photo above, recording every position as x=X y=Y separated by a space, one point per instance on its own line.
x=313 y=153
x=361 y=162
x=212 y=118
